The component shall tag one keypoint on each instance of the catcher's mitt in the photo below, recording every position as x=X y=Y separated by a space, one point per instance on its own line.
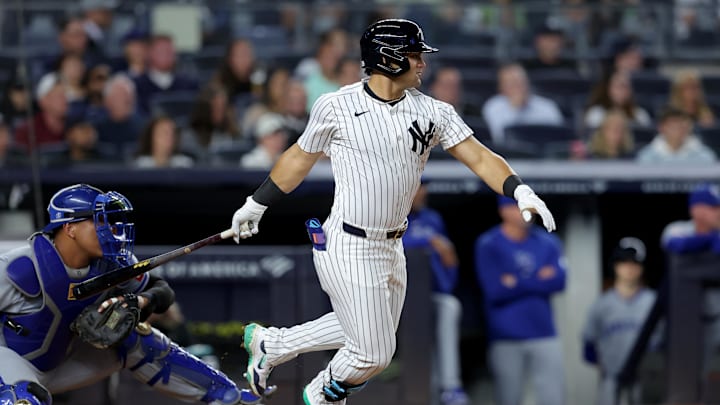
x=110 y=327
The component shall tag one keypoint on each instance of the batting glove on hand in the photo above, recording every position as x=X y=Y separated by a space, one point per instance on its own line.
x=530 y=203
x=246 y=219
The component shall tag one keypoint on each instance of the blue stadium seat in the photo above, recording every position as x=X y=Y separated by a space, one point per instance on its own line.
x=711 y=85
x=711 y=138
x=653 y=84
x=545 y=141
x=176 y=104
x=643 y=135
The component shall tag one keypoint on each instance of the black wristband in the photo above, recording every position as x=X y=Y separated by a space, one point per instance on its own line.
x=510 y=184
x=268 y=193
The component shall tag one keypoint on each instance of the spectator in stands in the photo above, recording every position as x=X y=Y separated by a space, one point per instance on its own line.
x=82 y=147
x=675 y=143
x=615 y=92
x=49 y=122
x=7 y=158
x=119 y=124
x=549 y=44
x=272 y=140
x=324 y=79
x=625 y=57
x=696 y=23
x=161 y=76
x=159 y=146
x=94 y=82
x=349 y=71
x=687 y=94
x=519 y=267
x=426 y=230
x=235 y=73
x=73 y=41
x=336 y=39
x=212 y=124
x=701 y=234
x=516 y=104
x=15 y=102
x=615 y=320
x=274 y=91
x=447 y=86
x=135 y=52
x=295 y=110
x=98 y=18
x=71 y=71
x=613 y=139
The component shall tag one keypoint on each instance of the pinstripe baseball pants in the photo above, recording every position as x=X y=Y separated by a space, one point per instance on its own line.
x=365 y=280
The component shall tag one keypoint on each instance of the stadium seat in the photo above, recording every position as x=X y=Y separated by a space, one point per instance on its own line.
x=643 y=135
x=711 y=85
x=176 y=104
x=711 y=138
x=650 y=86
x=229 y=155
x=563 y=82
x=545 y=141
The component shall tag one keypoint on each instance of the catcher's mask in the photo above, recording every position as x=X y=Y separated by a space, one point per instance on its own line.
x=110 y=211
x=385 y=44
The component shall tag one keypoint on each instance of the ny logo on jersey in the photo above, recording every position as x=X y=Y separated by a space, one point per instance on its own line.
x=418 y=136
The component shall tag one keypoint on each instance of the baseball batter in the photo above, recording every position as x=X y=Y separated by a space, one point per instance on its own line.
x=378 y=134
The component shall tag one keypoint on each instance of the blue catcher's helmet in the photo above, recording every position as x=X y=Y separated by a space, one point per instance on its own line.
x=387 y=42
x=24 y=392
x=110 y=212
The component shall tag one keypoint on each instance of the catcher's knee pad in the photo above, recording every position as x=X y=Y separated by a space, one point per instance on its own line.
x=156 y=361
x=336 y=391
x=24 y=392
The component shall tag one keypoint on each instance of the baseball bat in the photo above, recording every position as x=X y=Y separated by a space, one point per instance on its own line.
x=108 y=280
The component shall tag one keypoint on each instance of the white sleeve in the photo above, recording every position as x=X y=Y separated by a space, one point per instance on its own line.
x=320 y=127
x=453 y=129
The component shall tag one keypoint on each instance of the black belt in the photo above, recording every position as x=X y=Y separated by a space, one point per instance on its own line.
x=354 y=230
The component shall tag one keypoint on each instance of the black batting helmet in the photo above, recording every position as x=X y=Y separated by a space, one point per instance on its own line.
x=387 y=42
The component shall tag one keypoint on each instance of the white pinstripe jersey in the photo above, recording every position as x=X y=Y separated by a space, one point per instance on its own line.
x=378 y=150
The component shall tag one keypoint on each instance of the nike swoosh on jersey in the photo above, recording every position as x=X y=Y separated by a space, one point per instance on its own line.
x=357 y=114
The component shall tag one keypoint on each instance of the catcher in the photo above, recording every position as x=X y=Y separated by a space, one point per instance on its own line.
x=50 y=344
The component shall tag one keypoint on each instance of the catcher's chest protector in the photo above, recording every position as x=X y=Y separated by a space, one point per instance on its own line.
x=43 y=336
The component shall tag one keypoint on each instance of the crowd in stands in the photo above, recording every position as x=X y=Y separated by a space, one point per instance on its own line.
x=98 y=98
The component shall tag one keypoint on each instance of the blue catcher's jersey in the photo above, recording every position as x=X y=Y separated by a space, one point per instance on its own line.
x=34 y=308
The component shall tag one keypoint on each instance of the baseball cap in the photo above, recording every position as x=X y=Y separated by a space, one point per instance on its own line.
x=269 y=123
x=47 y=82
x=503 y=201
x=706 y=193
x=629 y=249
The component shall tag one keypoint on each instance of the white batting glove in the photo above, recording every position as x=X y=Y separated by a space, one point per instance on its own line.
x=530 y=203
x=246 y=219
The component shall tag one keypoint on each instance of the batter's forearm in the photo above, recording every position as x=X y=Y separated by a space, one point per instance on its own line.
x=292 y=167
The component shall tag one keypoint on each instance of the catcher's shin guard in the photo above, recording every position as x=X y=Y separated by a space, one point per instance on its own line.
x=156 y=361
x=24 y=392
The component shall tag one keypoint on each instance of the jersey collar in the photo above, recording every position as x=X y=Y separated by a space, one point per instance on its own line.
x=372 y=94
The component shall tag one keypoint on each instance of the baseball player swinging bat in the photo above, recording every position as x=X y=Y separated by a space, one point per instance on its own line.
x=108 y=280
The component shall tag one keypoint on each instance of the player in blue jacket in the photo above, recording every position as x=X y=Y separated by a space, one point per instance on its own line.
x=701 y=233
x=426 y=229
x=519 y=266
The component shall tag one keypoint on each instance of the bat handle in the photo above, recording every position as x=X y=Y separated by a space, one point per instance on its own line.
x=228 y=233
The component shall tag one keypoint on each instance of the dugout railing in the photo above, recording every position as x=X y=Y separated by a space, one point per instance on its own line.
x=690 y=356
